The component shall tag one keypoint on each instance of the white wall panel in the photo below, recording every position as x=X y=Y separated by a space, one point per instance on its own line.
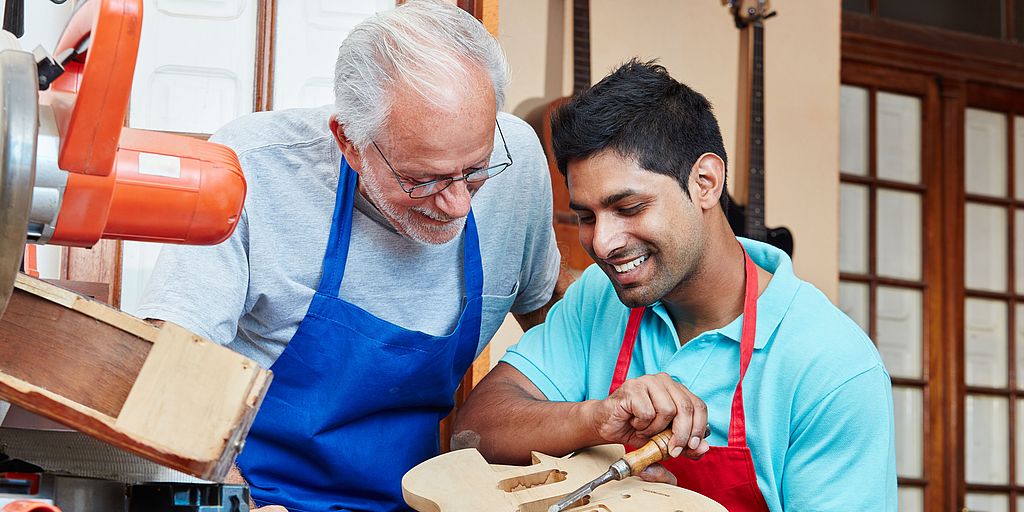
x=196 y=64
x=306 y=46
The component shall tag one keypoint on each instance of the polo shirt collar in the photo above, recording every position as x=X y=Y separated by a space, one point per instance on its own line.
x=772 y=305
x=774 y=302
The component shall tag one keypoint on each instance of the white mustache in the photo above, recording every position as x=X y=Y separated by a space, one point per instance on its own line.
x=440 y=217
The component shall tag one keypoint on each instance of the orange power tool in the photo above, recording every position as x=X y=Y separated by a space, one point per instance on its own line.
x=71 y=173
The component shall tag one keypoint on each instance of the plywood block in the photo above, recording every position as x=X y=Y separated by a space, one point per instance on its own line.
x=163 y=393
x=462 y=481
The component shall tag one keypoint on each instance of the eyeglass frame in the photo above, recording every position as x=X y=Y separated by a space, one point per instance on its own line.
x=465 y=177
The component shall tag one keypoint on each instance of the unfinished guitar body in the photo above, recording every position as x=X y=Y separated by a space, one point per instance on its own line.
x=462 y=481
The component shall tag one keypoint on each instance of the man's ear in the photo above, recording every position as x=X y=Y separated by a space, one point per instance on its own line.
x=707 y=179
x=348 y=149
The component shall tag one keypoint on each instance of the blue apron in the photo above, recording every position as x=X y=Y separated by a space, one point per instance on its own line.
x=355 y=401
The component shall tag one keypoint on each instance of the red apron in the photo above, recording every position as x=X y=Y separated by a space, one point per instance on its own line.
x=725 y=473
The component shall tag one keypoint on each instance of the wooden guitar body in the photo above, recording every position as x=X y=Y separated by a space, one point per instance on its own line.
x=462 y=481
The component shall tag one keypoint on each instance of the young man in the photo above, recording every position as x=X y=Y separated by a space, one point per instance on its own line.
x=358 y=215
x=797 y=398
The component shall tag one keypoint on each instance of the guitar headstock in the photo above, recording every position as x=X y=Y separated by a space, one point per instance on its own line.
x=746 y=12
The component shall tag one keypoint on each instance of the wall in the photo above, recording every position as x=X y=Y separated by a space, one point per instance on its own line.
x=698 y=43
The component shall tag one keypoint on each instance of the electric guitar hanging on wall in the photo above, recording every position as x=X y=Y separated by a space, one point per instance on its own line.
x=566 y=229
x=747 y=219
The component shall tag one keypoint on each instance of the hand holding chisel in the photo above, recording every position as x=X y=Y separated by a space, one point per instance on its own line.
x=655 y=450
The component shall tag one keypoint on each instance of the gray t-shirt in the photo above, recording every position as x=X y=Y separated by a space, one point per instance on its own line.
x=251 y=291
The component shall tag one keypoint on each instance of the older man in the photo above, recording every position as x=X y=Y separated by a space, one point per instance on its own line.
x=680 y=324
x=382 y=243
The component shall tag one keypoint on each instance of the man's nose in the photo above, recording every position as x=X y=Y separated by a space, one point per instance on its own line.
x=454 y=201
x=608 y=236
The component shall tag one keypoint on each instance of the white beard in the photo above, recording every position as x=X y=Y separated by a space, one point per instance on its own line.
x=405 y=221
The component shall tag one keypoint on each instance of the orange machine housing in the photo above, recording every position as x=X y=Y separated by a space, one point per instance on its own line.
x=110 y=192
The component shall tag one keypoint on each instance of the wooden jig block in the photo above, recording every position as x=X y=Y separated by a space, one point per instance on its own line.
x=462 y=481
x=163 y=393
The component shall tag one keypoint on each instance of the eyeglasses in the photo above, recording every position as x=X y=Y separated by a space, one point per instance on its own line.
x=429 y=188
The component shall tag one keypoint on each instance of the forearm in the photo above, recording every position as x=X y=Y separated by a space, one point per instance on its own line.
x=506 y=420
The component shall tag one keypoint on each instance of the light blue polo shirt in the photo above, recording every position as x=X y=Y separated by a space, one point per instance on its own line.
x=817 y=398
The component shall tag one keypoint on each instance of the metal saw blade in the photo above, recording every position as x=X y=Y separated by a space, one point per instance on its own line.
x=19 y=127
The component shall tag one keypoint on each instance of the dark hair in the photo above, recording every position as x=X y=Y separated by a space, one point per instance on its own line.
x=640 y=112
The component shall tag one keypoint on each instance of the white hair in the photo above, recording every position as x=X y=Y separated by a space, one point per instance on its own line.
x=424 y=44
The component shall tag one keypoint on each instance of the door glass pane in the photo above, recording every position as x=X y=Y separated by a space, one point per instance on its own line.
x=853 y=228
x=1018 y=151
x=898 y=137
x=853 y=130
x=899 y=235
x=853 y=300
x=909 y=404
x=985 y=247
x=899 y=330
x=987 y=502
x=910 y=499
x=1020 y=446
x=985 y=152
x=986 y=440
x=1019 y=327
x=1018 y=250
x=985 y=343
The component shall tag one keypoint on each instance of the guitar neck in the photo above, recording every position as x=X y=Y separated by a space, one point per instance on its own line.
x=580 y=45
x=755 y=228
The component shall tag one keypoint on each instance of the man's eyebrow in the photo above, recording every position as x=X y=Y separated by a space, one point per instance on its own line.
x=607 y=201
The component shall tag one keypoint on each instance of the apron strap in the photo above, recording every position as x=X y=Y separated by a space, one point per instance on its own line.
x=341 y=232
x=626 y=352
x=737 y=420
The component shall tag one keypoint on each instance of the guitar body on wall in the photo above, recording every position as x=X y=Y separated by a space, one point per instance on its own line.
x=566 y=230
x=747 y=219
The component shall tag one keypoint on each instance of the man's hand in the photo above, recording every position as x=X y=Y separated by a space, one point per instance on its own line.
x=645 y=406
x=271 y=508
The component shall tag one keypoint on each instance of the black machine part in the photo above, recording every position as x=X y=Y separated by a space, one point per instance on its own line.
x=14 y=16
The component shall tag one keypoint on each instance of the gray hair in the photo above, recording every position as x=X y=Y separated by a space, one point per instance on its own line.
x=423 y=44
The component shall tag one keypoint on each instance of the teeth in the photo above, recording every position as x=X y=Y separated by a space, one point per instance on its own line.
x=626 y=267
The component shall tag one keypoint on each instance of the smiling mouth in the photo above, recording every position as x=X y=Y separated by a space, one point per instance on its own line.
x=630 y=265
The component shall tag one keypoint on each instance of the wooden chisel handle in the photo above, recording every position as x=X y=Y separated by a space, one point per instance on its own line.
x=655 y=450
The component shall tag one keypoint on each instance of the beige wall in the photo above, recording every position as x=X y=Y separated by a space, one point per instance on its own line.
x=698 y=43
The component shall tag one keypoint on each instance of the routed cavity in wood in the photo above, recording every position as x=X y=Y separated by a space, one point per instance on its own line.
x=462 y=481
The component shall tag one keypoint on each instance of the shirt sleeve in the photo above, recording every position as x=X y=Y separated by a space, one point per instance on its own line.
x=553 y=355
x=846 y=444
x=201 y=288
x=541 y=259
